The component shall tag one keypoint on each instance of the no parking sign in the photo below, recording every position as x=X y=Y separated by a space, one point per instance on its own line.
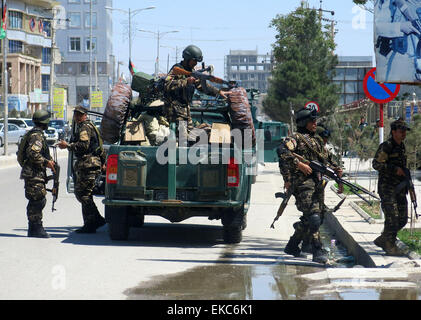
x=379 y=92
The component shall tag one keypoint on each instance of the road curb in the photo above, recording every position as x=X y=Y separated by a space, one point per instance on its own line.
x=11 y=160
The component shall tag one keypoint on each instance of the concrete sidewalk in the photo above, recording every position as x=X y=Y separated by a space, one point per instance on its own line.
x=11 y=160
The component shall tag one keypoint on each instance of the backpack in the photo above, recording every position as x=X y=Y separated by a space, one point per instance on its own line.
x=21 y=154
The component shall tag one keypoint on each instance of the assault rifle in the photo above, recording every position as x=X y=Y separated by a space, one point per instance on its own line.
x=410 y=188
x=55 y=177
x=286 y=196
x=330 y=173
x=200 y=75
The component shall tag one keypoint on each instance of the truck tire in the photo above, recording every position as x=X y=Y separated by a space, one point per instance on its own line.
x=118 y=222
x=136 y=217
x=234 y=222
x=232 y=235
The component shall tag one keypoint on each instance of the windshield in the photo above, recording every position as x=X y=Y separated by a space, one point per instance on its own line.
x=29 y=122
x=1 y=127
x=56 y=123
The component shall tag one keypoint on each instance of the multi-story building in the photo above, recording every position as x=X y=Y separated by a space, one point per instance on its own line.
x=28 y=56
x=249 y=68
x=350 y=73
x=74 y=45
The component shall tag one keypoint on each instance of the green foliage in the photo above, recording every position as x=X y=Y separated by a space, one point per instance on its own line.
x=411 y=239
x=413 y=143
x=305 y=62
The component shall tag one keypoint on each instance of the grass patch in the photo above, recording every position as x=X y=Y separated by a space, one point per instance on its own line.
x=373 y=211
x=413 y=241
x=347 y=190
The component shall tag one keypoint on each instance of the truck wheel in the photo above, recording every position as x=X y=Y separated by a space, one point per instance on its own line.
x=232 y=235
x=136 y=217
x=118 y=222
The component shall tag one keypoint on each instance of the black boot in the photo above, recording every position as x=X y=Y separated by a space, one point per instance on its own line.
x=87 y=228
x=99 y=222
x=292 y=247
x=319 y=255
x=36 y=230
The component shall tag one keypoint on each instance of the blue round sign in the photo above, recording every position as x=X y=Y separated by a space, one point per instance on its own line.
x=379 y=92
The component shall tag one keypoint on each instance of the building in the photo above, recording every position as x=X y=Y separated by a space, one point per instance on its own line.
x=350 y=73
x=28 y=56
x=250 y=69
x=74 y=45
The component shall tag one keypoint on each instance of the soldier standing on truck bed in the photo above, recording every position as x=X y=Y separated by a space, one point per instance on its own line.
x=34 y=157
x=179 y=89
x=307 y=186
x=90 y=155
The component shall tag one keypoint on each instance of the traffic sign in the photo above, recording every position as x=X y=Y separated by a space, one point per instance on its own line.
x=312 y=106
x=379 y=92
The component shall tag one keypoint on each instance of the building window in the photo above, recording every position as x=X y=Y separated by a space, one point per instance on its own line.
x=84 y=68
x=15 y=19
x=47 y=28
x=45 y=82
x=88 y=44
x=15 y=46
x=74 y=44
x=88 y=20
x=75 y=20
x=46 y=55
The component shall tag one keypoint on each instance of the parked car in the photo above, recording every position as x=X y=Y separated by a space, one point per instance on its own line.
x=24 y=123
x=62 y=128
x=14 y=134
x=51 y=135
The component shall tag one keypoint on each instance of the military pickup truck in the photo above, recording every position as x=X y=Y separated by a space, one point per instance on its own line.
x=165 y=181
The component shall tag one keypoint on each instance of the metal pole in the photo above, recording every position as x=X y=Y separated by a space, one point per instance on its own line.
x=90 y=53
x=5 y=85
x=96 y=74
x=381 y=139
x=157 y=56
x=52 y=70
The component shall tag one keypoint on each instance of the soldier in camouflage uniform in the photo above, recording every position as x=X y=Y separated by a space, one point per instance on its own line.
x=87 y=146
x=36 y=159
x=179 y=90
x=306 y=185
x=389 y=161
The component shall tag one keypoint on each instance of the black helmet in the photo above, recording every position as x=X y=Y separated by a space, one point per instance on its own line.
x=399 y=124
x=192 y=52
x=41 y=116
x=305 y=115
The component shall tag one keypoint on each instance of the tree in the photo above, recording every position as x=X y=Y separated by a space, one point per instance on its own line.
x=304 y=64
x=413 y=143
x=366 y=4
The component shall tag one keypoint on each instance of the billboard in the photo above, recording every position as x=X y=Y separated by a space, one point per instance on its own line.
x=397 y=32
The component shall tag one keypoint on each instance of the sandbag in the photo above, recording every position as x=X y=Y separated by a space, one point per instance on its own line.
x=240 y=111
x=115 y=112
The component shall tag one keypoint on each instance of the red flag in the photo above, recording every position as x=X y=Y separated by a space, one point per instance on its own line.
x=132 y=68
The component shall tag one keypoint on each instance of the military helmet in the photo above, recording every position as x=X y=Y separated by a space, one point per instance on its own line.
x=303 y=116
x=41 y=116
x=192 y=52
x=399 y=124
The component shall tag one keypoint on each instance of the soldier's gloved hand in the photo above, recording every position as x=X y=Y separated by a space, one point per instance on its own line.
x=224 y=94
x=50 y=164
x=287 y=185
x=304 y=168
x=400 y=172
x=191 y=80
x=408 y=28
x=339 y=172
x=62 y=144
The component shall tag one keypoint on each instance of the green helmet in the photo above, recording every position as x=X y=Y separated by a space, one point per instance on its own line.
x=192 y=52
x=303 y=116
x=41 y=116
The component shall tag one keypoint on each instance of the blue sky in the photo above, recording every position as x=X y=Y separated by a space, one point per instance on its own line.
x=220 y=26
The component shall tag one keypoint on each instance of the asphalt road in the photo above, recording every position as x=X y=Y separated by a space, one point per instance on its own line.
x=91 y=266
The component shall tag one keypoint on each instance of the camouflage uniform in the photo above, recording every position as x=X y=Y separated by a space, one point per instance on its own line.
x=307 y=190
x=90 y=158
x=37 y=155
x=178 y=95
x=388 y=158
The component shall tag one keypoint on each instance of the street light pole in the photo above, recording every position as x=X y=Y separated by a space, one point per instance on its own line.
x=90 y=54
x=130 y=14
x=5 y=85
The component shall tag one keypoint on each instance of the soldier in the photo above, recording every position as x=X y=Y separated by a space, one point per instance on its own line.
x=90 y=155
x=179 y=89
x=35 y=160
x=306 y=185
x=389 y=161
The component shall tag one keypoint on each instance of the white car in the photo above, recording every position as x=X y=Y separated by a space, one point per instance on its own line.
x=24 y=123
x=14 y=134
x=51 y=134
